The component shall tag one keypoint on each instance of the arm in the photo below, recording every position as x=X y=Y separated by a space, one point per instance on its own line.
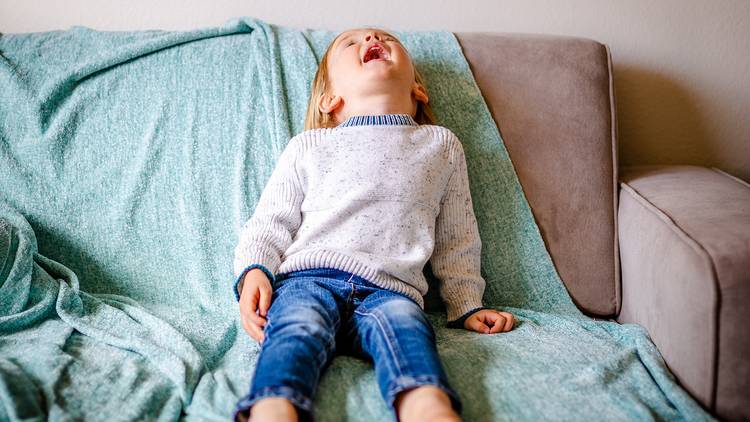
x=268 y=233
x=684 y=239
x=456 y=258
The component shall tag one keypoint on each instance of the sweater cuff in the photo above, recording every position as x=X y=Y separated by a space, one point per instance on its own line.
x=268 y=273
x=459 y=323
x=462 y=298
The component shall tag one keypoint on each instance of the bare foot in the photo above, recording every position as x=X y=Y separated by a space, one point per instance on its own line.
x=425 y=403
x=273 y=409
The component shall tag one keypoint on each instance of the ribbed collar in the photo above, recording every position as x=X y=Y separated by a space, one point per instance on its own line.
x=380 y=119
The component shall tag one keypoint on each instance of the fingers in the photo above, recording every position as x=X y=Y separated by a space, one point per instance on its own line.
x=496 y=320
x=477 y=324
x=503 y=322
x=253 y=330
x=499 y=322
x=253 y=323
x=265 y=299
x=259 y=334
x=510 y=322
x=249 y=308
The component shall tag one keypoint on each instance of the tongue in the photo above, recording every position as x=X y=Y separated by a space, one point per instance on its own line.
x=372 y=55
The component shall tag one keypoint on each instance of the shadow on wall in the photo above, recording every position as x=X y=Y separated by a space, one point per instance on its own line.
x=659 y=121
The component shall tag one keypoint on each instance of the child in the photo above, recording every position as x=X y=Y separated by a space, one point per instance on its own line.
x=332 y=257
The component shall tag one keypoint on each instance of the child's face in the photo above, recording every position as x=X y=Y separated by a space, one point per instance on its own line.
x=363 y=63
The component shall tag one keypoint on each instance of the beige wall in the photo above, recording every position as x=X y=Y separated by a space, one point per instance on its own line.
x=682 y=67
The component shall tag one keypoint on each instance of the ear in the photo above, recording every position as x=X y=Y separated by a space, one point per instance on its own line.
x=329 y=103
x=419 y=93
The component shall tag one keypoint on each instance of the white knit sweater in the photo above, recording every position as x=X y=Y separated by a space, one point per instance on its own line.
x=374 y=197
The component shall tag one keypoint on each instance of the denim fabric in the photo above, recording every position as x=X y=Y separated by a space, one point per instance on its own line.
x=318 y=313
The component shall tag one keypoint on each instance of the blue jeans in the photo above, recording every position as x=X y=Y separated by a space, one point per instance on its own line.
x=316 y=313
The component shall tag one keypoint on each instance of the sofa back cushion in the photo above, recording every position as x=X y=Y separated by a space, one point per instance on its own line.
x=552 y=98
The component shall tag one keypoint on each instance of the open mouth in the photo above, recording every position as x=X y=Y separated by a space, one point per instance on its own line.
x=375 y=52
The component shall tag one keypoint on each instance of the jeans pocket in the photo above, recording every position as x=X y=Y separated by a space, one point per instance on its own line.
x=278 y=282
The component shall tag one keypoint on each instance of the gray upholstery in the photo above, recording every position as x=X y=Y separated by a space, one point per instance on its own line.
x=682 y=232
x=685 y=246
x=552 y=98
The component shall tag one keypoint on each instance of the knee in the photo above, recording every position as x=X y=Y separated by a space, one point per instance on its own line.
x=405 y=308
x=303 y=321
x=404 y=314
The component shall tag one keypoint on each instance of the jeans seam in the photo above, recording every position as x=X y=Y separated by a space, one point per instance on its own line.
x=328 y=347
x=266 y=330
x=389 y=341
x=350 y=299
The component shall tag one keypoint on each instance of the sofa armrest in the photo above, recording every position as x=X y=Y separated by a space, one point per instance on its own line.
x=684 y=240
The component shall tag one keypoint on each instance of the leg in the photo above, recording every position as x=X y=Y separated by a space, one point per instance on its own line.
x=298 y=345
x=395 y=333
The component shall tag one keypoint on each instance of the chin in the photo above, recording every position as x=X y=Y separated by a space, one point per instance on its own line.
x=382 y=72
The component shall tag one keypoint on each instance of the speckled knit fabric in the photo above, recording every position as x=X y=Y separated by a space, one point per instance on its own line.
x=376 y=200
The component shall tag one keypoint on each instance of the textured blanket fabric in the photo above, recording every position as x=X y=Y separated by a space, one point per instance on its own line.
x=129 y=162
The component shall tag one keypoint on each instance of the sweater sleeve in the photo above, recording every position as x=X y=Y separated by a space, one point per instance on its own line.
x=269 y=232
x=456 y=258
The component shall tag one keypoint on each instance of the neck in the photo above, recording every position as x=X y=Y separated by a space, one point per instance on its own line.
x=377 y=104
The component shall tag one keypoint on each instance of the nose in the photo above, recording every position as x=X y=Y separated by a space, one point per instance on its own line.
x=371 y=35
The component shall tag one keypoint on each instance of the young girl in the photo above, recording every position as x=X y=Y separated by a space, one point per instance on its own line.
x=332 y=258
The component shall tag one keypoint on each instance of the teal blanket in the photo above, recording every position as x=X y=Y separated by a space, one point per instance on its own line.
x=129 y=162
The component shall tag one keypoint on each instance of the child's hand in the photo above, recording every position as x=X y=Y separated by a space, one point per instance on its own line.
x=255 y=295
x=490 y=321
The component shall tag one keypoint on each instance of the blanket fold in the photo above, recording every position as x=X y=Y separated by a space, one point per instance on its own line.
x=130 y=160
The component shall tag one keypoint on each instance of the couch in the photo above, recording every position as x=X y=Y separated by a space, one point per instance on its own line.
x=663 y=246
x=131 y=159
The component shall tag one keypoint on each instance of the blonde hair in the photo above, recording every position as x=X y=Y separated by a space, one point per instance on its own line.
x=315 y=119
